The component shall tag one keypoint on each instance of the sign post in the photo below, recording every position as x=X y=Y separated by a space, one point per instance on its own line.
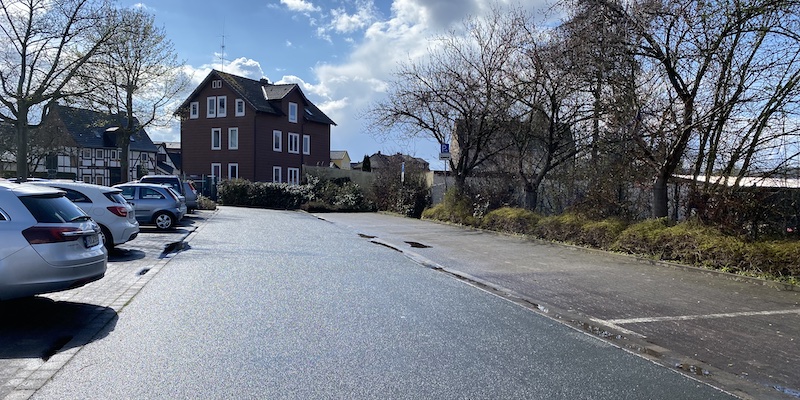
x=444 y=154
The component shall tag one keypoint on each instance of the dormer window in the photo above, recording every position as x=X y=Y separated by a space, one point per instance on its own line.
x=293 y=112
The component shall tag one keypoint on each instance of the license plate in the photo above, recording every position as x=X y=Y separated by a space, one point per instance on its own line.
x=91 y=241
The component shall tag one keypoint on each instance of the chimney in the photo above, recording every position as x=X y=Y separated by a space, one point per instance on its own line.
x=264 y=81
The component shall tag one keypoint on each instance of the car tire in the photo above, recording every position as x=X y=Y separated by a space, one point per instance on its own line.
x=108 y=239
x=164 y=220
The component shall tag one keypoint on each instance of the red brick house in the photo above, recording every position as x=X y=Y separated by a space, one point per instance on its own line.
x=235 y=127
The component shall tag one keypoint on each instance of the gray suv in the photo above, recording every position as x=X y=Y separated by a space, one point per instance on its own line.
x=154 y=204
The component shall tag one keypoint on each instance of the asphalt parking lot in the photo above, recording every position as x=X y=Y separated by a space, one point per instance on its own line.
x=39 y=335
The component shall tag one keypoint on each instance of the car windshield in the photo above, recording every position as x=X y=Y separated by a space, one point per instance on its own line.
x=52 y=208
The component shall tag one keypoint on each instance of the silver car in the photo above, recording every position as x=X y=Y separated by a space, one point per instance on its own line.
x=154 y=204
x=48 y=243
x=105 y=205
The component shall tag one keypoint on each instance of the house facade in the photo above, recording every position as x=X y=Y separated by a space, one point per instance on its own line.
x=235 y=127
x=81 y=144
x=168 y=158
x=340 y=159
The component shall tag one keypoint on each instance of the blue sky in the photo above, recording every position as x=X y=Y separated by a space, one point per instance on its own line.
x=341 y=52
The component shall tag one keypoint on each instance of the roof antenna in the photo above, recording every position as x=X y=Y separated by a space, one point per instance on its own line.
x=222 y=53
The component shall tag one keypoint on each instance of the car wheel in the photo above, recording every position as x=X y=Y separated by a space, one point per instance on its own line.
x=108 y=239
x=164 y=220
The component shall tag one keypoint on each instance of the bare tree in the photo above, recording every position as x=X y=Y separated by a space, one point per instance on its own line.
x=44 y=44
x=605 y=70
x=455 y=94
x=137 y=77
x=712 y=63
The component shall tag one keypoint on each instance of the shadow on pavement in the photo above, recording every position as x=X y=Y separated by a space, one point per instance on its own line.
x=39 y=327
x=121 y=255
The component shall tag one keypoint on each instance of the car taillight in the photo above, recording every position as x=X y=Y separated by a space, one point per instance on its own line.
x=118 y=210
x=42 y=234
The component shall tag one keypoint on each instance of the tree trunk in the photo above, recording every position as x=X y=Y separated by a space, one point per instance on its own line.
x=22 y=142
x=531 y=196
x=123 y=140
x=660 y=197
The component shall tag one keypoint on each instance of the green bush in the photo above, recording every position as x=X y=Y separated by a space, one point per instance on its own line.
x=336 y=195
x=511 y=220
x=456 y=208
x=282 y=196
x=601 y=234
x=640 y=238
x=204 y=203
x=562 y=228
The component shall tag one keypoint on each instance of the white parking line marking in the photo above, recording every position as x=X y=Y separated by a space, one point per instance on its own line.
x=617 y=328
x=707 y=316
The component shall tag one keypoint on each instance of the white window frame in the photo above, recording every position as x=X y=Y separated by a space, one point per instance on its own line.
x=87 y=154
x=293 y=176
x=98 y=153
x=216 y=170
x=307 y=145
x=233 y=138
x=293 y=145
x=222 y=106
x=211 y=107
x=114 y=155
x=239 y=108
x=277 y=140
x=231 y=175
x=216 y=133
x=87 y=179
x=276 y=174
x=292 y=112
x=194 y=110
x=99 y=180
x=216 y=84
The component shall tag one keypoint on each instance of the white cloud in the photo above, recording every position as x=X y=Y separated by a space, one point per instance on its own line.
x=345 y=90
x=300 y=5
x=342 y=22
x=144 y=7
x=241 y=66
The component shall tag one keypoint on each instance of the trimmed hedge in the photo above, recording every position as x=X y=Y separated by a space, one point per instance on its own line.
x=282 y=196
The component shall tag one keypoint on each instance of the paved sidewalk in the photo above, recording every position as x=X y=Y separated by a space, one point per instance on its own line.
x=742 y=335
x=74 y=318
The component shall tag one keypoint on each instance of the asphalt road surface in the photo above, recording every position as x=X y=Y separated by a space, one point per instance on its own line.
x=270 y=304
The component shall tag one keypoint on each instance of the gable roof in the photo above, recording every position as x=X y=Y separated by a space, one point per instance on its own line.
x=339 y=154
x=263 y=96
x=89 y=129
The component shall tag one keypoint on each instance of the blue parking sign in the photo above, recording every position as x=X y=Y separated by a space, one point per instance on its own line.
x=445 y=148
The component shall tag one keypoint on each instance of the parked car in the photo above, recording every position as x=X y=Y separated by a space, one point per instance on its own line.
x=105 y=205
x=49 y=243
x=190 y=193
x=154 y=204
x=172 y=180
